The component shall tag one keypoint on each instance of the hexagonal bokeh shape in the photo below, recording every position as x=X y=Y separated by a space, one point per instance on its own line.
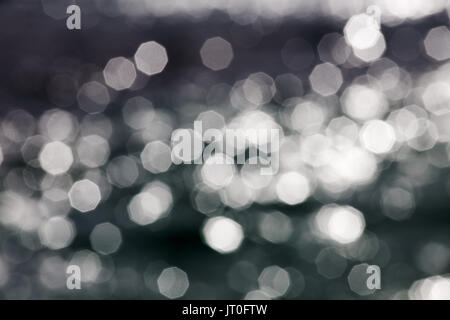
x=56 y=158
x=84 y=195
x=151 y=58
x=105 y=238
x=437 y=43
x=119 y=73
x=216 y=53
x=326 y=79
x=173 y=282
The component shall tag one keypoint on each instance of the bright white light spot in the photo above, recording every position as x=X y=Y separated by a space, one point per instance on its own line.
x=432 y=288
x=151 y=58
x=223 y=234
x=56 y=158
x=343 y=224
x=363 y=103
x=377 y=136
x=84 y=195
x=293 y=188
x=373 y=53
x=362 y=31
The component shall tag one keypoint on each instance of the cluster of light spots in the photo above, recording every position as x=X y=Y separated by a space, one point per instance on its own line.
x=274 y=281
x=84 y=195
x=377 y=136
x=138 y=113
x=363 y=103
x=293 y=188
x=57 y=233
x=216 y=53
x=432 y=288
x=357 y=280
x=106 y=238
x=151 y=58
x=119 y=73
x=56 y=158
x=156 y=157
x=437 y=43
x=326 y=79
x=93 y=151
x=362 y=33
x=153 y=203
x=93 y=97
x=223 y=234
x=218 y=171
x=173 y=282
x=275 y=227
x=342 y=224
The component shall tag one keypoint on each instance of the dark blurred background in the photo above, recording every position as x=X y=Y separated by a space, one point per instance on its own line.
x=364 y=155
